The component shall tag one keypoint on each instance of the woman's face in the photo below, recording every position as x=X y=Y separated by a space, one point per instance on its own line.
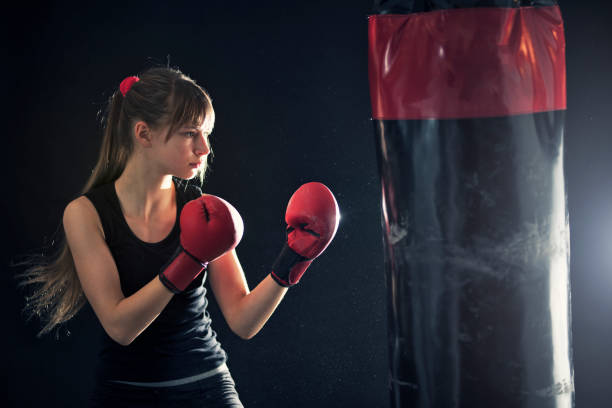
x=186 y=150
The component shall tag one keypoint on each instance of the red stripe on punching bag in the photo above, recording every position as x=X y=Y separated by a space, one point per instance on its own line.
x=467 y=63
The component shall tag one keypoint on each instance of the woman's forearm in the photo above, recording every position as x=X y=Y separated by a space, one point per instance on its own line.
x=133 y=314
x=255 y=308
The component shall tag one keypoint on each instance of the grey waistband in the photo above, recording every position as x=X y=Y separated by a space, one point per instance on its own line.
x=180 y=381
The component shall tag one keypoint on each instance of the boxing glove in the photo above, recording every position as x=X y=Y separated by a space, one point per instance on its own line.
x=210 y=226
x=312 y=218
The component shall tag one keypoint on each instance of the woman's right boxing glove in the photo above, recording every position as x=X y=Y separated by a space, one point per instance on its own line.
x=210 y=226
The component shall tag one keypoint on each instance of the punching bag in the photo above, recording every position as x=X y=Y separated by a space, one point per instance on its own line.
x=468 y=104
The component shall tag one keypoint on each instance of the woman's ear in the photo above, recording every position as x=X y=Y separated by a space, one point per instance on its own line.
x=142 y=134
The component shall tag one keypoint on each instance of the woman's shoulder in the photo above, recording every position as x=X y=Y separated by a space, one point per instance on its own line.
x=80 y=205
x=188 y=190
x=81 y=211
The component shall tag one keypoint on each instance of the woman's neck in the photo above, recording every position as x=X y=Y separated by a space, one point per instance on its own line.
x=144 y=194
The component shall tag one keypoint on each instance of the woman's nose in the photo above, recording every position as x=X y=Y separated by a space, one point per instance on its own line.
x=202 y=146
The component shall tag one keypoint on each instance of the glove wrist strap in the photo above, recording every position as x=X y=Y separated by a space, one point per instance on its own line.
x=281 y=269
x=180 y=270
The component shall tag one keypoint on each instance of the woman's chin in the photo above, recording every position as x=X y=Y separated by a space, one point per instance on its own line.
x=189 y=174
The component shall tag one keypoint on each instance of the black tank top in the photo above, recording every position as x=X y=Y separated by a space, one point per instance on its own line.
x=180 y=342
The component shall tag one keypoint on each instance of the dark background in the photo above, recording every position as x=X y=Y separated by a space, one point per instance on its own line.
x=290 y=89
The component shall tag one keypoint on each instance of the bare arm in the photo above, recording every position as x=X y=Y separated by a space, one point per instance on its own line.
x=123 y=318
x=312 y=217
x=246 y=312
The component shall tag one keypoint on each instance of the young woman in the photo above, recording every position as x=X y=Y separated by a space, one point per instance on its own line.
x=140 y=242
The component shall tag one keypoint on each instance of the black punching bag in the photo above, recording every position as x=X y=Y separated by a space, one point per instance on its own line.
x=468 y=103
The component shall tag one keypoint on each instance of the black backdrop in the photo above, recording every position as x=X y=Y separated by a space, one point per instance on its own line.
x=290 y=89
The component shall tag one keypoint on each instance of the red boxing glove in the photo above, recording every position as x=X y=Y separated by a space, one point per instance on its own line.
x=210 y=226
x=312 y=221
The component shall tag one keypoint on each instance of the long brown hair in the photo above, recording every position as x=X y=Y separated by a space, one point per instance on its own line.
x=162 y=96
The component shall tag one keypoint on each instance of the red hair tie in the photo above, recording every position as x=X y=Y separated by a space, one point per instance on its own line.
x=127 y=83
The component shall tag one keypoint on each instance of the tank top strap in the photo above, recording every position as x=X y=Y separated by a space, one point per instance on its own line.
x=104 y=200
x=186 y=191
